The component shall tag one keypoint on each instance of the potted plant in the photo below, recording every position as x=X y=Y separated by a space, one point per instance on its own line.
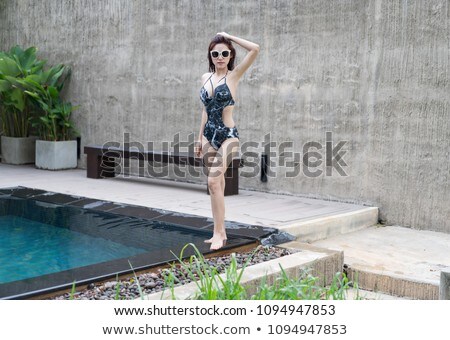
x=55 y=147
x=56 y=150
x=16 y=110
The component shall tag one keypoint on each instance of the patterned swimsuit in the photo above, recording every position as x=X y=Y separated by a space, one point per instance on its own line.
x=215 y=130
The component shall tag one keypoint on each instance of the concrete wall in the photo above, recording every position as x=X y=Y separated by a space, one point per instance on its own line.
x=374 y=73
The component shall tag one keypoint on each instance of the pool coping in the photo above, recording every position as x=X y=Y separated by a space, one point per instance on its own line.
x=239 y=234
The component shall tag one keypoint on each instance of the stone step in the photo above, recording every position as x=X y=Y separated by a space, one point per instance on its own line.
x=393 y=285
x=323 y=227
x=361 y=294
x=394 y=260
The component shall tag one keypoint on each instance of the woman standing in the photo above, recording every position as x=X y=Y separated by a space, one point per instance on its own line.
x=218 y=138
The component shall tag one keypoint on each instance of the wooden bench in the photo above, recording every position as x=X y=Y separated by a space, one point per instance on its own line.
x=101 y=163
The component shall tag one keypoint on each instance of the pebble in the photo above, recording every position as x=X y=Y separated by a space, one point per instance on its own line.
x=150 y=285
x=109 y=285
x=154 y=282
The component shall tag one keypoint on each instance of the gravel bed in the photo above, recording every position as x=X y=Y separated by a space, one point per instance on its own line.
x=128 y=288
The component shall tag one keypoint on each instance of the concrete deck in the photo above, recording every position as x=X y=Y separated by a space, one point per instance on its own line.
x=308 y=219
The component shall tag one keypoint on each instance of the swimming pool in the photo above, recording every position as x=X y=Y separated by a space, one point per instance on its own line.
x=50 y=240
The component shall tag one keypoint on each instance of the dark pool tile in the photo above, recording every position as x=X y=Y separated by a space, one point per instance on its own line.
x=83 y=202
x=56 y=198
x=97 y=205
x=27 y=192
x=186 y=220
x=245 y=230
x=6 y=191
x=136 y=211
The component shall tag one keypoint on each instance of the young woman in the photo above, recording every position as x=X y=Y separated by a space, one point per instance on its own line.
x=218 y=138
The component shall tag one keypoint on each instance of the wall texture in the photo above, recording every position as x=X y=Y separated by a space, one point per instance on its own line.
x=374 y=73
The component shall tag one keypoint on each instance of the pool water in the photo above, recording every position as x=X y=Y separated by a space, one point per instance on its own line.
x=29 y=249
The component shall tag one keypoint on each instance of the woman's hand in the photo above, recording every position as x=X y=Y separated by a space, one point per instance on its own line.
x=198 y=148
x=223 y=34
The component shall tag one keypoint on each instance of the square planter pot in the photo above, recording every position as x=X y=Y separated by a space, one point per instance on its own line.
x=56 y=155
x=18 y=150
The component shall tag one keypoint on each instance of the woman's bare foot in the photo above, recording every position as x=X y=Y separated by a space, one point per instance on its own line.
x=217 y=241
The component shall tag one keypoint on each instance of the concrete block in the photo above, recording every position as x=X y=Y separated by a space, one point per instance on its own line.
x=56 y=155
x=328 y=226
x=18 y=150
x=392 y=285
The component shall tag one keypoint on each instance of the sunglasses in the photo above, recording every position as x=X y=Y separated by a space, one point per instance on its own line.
x=216 y=54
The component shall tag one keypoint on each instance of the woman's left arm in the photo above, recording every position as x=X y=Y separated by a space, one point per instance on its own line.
x=252 y=48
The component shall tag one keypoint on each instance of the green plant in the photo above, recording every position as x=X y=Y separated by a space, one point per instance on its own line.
x=169 y=281
x=338 y=287
x=305 y=287
x=72 y=291
x=286 y=288
x=26 y=87
x=55 y=123
x=198 y=271
x=15 y=106
x=141 y=293
x=231 y=287
x=117 y=289
x=210 y=285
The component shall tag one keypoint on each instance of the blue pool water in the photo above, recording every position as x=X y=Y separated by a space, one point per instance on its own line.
x=29 y=248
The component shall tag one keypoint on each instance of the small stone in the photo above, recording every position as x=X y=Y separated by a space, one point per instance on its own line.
x=153 y=276
x=150 y=285
x=110 y=285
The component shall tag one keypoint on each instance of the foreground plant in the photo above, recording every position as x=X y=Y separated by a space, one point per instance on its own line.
x=212 y=286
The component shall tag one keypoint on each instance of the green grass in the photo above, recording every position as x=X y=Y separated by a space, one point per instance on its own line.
x=210 y=285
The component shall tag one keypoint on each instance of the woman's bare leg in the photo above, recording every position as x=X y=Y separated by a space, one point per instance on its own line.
x=209 y=153
x=216 y=185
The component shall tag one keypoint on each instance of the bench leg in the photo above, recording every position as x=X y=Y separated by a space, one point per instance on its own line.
x=231 y=182
x=100 y=167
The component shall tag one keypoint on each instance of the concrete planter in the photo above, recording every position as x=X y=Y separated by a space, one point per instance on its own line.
x=56 y=155
x=18 y=150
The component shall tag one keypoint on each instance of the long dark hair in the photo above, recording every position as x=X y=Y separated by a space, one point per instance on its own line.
x=219 y=39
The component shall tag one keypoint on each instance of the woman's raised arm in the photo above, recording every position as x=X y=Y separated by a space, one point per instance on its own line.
x=252 y=48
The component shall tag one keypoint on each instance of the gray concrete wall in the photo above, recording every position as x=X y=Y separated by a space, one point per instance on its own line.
x=374 y=73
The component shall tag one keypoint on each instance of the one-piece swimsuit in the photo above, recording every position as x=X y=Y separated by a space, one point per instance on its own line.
x=215 y=131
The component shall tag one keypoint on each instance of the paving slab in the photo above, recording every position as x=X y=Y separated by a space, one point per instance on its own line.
x=361 y=294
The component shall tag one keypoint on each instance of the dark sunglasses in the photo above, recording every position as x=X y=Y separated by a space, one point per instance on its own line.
x=224 y=54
